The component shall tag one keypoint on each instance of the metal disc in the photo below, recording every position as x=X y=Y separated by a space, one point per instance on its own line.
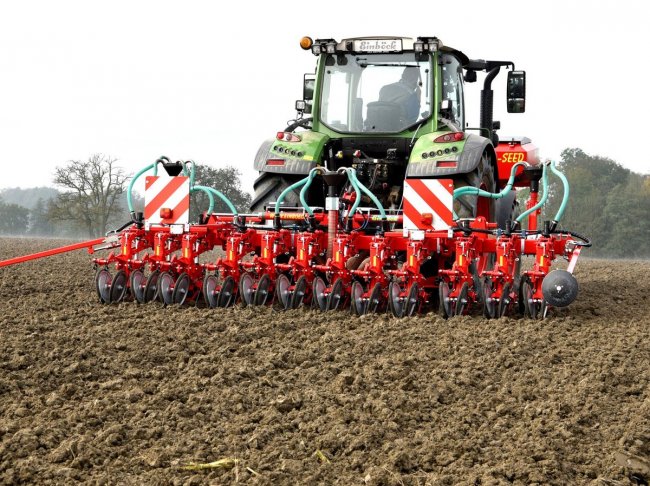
x=210 y=293
x=444 y=307
x=138 y=282
x=181 y=289
x=166 y=288
x=118 y=286
x=151 y=286
x=504 y=301
x=226 y=296
x=411 y=303
x=374 y=299
x=336 y=295
x=299 y=291
x=395 y=302
x=103 y=281
x=358 y=304
x=320 y=299
x=246 y=289
x=282 y=291
x=463 y=302
x=489 y=303
x=262 y=291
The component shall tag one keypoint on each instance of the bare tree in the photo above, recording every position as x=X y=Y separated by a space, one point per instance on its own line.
x=92 y=193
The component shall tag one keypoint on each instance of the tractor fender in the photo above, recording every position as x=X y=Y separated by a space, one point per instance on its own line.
x=296 y=161
x=466 y=160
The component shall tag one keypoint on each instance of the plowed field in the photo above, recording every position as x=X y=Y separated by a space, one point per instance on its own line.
x=128 y=394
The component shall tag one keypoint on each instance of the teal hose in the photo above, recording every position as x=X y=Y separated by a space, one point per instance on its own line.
x=475 y=191
x=210 y=196
x=211 y=191
x=192 y=171
x=303 y=191
x=355 y=184
x=284 y=193
x=353 y=176
x=129 y=191
x=565 y=196
x=542 y=201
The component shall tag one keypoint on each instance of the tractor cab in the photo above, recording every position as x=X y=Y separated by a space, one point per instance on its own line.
x=392 y=108
x=383 y=86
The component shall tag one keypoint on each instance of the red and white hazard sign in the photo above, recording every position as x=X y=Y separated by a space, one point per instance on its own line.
x=167 y=200
x=427 y=204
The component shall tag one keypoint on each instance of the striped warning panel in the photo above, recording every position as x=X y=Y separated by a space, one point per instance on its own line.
x=170 y=195
x=427 y=204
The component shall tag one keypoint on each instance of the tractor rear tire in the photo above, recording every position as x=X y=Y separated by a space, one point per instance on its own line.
x=467 y=207
x=268 y=188
x=483 y=178
x=507 y=209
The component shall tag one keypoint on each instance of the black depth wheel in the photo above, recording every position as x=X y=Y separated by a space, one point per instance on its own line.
x=282 y=291
x=227 y=292
x=138 y=282
x=166 y=288
x=181 y=289
x=299 y=292
x=444 y=305
x=463 y=302
x=210 y=294
x=246 y=289
x=262 y=291
x=320 y=299
x=395 y=302
x=103 y=281
x=151 y=286
x=118 y=286
x=336 y=295
x=357 y=304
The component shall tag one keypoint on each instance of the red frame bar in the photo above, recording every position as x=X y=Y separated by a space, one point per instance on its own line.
x=55 y=251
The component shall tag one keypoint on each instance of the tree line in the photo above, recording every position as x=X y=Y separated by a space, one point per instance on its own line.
x=608 y=203
x=91 y=199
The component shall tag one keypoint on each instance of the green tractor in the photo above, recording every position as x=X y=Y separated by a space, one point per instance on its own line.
x=393 y=108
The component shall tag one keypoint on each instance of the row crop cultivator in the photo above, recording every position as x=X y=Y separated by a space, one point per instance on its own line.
x=332 y=258
x=377 y=196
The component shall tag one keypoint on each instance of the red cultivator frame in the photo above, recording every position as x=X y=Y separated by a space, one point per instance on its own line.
x=338 y=257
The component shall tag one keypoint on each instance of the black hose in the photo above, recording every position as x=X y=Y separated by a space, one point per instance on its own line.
x=586 y=242
x=298 y=123
x=125 y=225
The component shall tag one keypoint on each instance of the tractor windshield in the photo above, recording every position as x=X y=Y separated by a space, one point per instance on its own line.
x=383 y=93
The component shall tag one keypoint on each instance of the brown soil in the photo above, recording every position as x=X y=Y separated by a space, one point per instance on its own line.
x=128 y=394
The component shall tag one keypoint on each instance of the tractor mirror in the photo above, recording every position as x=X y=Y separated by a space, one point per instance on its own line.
x=516 y=91
x=470 y=76
x=308 y=92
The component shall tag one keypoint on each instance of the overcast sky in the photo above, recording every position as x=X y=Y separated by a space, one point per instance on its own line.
x=194 y=80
